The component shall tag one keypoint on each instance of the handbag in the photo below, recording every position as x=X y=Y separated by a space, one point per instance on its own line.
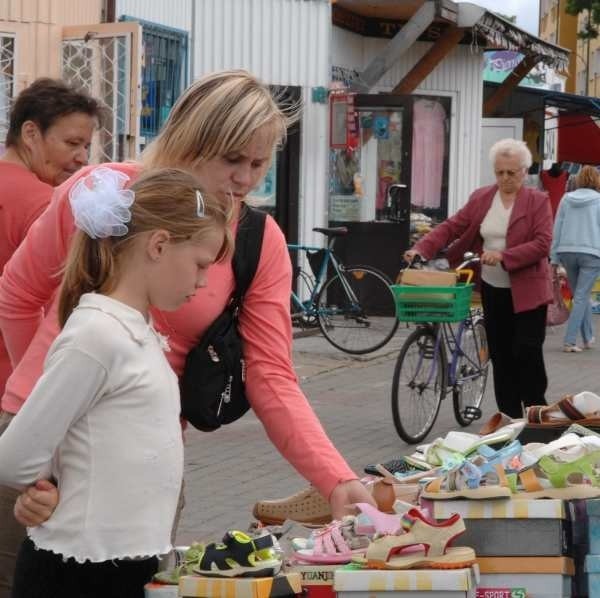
x=212 y=384
x=558 y=312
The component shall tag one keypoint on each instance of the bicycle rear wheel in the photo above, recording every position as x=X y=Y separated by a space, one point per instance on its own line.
x=472 y=370
x=356 y=310
x=419 y=384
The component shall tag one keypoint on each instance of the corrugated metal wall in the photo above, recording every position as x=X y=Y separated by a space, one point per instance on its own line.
x=458 y=75
x=284 y=42
x=314 y=169
x=38 y=26
x=174 y=13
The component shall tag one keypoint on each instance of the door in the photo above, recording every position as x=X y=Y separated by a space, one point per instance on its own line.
x=277 y=194
x=492 y=130
x=370 y=185
x=105 y=59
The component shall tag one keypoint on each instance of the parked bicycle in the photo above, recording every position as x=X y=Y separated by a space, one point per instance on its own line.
x=353 y=306
x=438 y=356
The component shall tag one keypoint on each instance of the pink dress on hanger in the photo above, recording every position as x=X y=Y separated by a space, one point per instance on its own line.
x=428 y=148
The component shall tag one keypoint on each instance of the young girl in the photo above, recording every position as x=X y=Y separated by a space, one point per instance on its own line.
x=103 y=419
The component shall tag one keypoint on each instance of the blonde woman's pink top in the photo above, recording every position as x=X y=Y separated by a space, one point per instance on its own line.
x=32 y=277
x=23 y=197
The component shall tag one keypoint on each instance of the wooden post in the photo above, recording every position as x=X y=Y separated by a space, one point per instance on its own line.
x=438 y=51
x=509 y=84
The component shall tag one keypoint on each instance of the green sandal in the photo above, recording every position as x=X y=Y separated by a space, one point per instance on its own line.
x=550 y=478
x=239 y=555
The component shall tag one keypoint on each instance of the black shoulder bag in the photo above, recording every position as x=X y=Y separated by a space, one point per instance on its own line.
x=212 y=385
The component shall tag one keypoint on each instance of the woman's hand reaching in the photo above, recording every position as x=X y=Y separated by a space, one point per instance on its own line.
x=346 y=494
x=36 y=504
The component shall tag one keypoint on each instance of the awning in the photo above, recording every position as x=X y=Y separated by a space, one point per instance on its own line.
x=382 y=18
x=578 y=139
x=577 y=121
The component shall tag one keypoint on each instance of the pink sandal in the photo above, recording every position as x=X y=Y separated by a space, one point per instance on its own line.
x=342 y=540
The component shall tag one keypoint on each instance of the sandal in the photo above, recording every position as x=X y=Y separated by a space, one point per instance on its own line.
x=340 y=541
x=239 y=555
x=554 y=477
x=477 y=479
x=566 y=411
x=425 y=544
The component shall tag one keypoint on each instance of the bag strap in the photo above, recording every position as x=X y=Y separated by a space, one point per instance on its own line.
x=248 y=244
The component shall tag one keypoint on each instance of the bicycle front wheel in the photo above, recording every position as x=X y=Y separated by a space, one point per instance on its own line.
x=472 y=370
x=419 y=384
x=356 y=310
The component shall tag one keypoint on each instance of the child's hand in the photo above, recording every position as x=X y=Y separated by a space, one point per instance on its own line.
x=36 y=504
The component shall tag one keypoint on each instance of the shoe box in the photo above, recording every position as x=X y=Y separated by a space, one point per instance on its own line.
x=506 y=527
x=160 y=590
x=538 y=577
x=425 y=583
x=281 y=586
x=316 y=580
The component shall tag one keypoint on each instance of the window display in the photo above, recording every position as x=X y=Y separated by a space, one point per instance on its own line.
x=400 y=161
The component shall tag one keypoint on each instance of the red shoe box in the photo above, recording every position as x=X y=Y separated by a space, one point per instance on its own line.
x=316 y=580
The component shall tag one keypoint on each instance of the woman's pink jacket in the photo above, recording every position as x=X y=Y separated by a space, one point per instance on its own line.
x=528 y=241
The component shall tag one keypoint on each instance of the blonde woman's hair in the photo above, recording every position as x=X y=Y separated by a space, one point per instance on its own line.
x=510 y=148
x=588 y=177
x=217 y=115
x=165 y=199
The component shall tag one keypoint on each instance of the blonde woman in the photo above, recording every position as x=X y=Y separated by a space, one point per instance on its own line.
x=510 y=225
x=576 y=245
x=223 y=129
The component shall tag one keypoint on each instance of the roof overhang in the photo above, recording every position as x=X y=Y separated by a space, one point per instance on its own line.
x=383 y=18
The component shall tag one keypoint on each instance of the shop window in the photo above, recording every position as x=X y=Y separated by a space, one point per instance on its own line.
x=401 y=158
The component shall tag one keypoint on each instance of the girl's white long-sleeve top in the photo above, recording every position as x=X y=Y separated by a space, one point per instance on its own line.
x=104 y=421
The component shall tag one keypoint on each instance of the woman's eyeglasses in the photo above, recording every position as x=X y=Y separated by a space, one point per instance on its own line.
x=509 y=173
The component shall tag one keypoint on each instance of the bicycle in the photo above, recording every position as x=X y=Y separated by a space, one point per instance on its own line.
x=353 y=306
x=424 y=369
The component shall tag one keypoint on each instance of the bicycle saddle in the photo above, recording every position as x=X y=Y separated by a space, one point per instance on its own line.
x=338 y=231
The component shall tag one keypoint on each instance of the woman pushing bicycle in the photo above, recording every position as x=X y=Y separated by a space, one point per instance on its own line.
x=510 y=225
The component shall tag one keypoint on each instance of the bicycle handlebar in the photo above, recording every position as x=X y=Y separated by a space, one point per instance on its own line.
x=468 y=259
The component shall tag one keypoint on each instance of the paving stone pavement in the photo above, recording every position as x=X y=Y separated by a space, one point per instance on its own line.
x=227 y=471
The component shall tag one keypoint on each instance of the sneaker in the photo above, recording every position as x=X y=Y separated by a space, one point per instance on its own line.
x=572 y=349
x=589 y=344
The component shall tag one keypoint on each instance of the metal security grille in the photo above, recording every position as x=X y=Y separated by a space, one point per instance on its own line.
x=101 y=65
x=163 y=74
x=7 y=77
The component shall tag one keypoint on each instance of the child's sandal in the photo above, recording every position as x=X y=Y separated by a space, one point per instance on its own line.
x=465 y=479
x=551 y=478
x=424 y=544
x=239 y=555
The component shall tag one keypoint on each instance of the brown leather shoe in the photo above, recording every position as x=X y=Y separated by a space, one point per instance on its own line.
x=306 y=506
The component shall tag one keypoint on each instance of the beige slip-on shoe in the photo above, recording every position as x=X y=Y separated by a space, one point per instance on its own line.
x=306 y=506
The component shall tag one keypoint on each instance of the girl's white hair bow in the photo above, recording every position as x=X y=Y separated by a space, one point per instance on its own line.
x=100 y=203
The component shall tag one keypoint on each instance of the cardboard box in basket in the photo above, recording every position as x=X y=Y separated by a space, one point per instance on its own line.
x=281 y=586
x=427 y=278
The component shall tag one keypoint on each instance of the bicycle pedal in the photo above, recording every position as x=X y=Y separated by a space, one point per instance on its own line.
x=472 y=413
